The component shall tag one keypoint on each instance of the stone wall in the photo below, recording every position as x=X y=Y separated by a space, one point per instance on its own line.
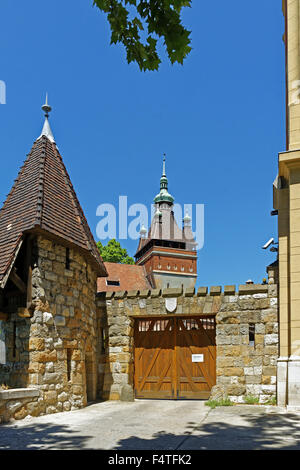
x=17 y=404
x=242 y=369
x=245 y=368
x=57 y=348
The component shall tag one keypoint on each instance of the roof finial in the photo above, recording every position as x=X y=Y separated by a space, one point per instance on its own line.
x=46 y=107
x=164 y=165
x=46 y=129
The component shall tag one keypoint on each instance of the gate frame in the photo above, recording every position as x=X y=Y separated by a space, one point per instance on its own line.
x=135 y=318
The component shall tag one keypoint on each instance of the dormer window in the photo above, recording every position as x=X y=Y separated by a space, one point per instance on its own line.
x=111 y=282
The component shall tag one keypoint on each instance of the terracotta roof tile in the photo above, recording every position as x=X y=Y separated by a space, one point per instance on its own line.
x=130 y=277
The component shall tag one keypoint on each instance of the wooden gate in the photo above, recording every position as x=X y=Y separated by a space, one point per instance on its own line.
x=175 y=357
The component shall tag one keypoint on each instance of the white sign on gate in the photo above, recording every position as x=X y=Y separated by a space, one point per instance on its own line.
x=197 y=357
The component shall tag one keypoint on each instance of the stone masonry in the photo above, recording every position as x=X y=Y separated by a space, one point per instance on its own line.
x=56 y=348
x=246 y=365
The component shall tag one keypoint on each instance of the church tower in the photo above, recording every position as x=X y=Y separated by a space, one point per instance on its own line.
x=168 y=252
x=287 y=204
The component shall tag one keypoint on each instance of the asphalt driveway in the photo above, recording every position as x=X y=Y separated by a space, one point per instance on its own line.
x=157 y=425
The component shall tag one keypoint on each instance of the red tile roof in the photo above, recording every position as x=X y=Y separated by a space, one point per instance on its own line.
x=43 y=197
x=130 y=277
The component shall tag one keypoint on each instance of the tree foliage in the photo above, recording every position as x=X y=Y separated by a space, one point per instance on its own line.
x=129 y=19
x=114 y=253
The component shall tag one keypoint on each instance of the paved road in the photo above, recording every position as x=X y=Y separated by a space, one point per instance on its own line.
x=156 y=425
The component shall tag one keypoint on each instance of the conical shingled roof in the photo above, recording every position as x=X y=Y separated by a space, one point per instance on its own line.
x=43 y=197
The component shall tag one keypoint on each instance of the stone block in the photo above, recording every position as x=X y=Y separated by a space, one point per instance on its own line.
x=154 y=293
x=17 y=394
x=36 y=344
x=132 y=294
x=229 y=290
x=253 y=289
x=237 y=390
x=50 y=398
x=109 y=295
x=172 y=292
x=60 y=320
x=215 y=290
x=127 y=393
x=21 y=414
x=189 y=292
x=144 y=293
x=269 y=315
x=202 y=291
x=120 y=294
x=48 y=318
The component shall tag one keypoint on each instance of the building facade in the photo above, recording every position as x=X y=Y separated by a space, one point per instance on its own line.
x=287 y=203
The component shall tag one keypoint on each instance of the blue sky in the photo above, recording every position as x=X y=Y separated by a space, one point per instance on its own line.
x=220 y=118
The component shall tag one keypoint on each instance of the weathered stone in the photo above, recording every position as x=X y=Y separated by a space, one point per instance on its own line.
x=36 y=344
x=127 y=393
x=59 y=320
x=50 y=398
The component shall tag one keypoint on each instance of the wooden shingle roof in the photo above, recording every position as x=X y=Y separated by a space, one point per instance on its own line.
x=43 y=198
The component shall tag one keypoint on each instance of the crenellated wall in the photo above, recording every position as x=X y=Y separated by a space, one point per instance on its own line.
x=242 y=368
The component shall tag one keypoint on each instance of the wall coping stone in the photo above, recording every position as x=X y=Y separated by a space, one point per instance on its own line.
x=131 y=294
x=144 y=293
x=229 y=290
x=172 y=292
x=15 y=393
x=253 y=288
x=155 y=293
x=120 y=294
x=215 y=290
x=202 y=291
x=189 y=292
x=109 y=295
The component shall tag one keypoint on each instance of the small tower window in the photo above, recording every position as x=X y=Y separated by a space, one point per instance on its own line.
x=103 y=342
x=251 y=334
x=69 y=363
x=68 y=258
x=14 y=340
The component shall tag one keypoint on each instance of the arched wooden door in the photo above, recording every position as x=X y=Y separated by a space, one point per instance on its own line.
x=175 y=357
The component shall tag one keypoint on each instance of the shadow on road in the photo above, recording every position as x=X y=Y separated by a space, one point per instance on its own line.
x=221 y=430
x=40 y=436
x=262 y=432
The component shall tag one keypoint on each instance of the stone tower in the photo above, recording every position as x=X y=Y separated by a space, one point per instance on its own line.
x=168 y=252
x=49 y=264
x=287 y=203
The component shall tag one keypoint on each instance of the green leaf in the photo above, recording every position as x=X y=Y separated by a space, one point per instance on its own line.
x=159 y=19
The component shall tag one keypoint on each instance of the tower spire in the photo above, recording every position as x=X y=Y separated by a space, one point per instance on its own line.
x=164 y=165
x=46 y=128
x=164 y=196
